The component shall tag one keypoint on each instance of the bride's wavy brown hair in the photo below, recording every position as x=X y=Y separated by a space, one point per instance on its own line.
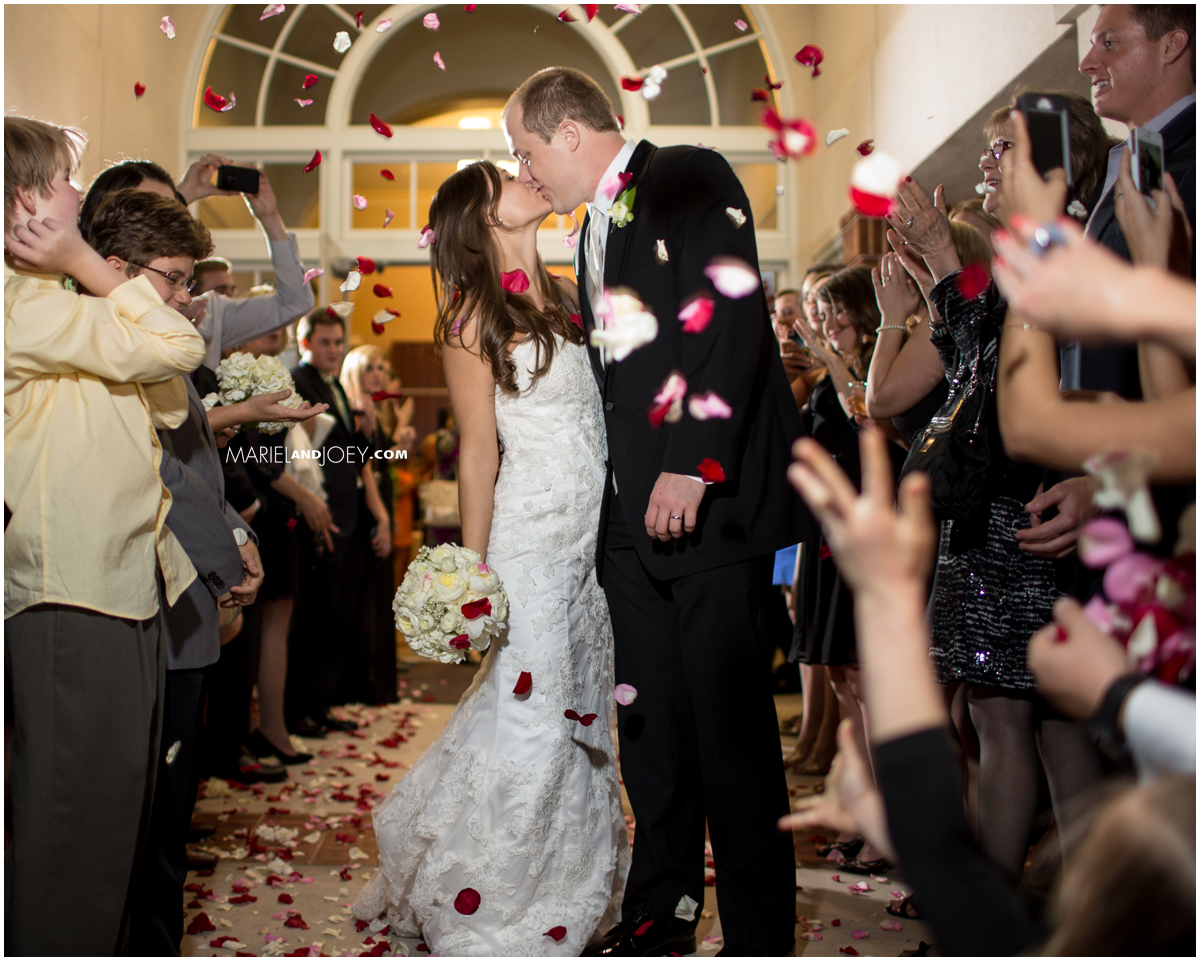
x=465 y=262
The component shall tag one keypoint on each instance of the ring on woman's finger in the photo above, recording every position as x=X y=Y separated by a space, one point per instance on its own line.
x=909 y=222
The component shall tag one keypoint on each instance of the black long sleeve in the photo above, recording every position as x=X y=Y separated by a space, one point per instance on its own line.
x=963 y=895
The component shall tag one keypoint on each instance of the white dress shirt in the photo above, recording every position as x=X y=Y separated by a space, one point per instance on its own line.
x=596 y=240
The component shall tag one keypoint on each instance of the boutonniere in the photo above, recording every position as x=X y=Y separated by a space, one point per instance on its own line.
x=621 y=212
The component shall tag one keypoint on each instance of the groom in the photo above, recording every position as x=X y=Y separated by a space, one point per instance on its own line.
x=685 y=561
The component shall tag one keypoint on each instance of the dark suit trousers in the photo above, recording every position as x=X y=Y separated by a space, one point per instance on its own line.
x=84 y=703
x=701 y=742
x=156 y=925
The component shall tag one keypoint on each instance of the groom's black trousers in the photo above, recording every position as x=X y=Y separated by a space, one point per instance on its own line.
x=701 y=742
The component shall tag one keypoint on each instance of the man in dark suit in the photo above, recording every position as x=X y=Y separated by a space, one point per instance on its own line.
x=693 y=513
x=326 y=605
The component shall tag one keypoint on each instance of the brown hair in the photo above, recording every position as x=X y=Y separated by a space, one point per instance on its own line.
x=970 y=245
x=1161 y=18
x=974 y=208
x=556 y=94
x=465 y=264
x=1129 y=889
x=213 y=265
x=139 y=226
x=1090 y=142
x=317 y=317
x=34 y=153
x=852 y=288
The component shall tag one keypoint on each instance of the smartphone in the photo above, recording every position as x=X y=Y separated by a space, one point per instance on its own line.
x=1147 y=160
x=240 y=179
x=1046 y=119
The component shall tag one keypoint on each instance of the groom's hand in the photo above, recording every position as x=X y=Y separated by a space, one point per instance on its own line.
x=673 y=506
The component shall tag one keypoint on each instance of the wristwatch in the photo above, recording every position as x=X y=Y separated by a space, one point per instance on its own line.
x=240 y=536
x=1104 y=727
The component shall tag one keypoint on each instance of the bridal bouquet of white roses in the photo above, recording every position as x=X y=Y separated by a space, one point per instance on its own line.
x=242 y=376
x=450 y=602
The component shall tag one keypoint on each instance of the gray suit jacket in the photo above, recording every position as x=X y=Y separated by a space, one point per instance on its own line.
x=203 y=522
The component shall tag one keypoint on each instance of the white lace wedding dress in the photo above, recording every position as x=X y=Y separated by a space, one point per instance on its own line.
x=514 y=800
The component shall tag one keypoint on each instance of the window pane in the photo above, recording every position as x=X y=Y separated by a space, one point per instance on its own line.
x=758 y=180
x=296 y=193
x=735 y=73
x=713 y=22
x=654 y=37
x=312 y=38
x=684 y=99
x=232 y=69
x=282 y=107
x=430 y=176
x=488 y=53
x=381 y=194
x=241 y=21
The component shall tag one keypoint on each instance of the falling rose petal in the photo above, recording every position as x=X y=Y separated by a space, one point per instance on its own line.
x=668 y=402
x=711 y=471
x=303 y=103
x=312 y=274
x=697 y=313
x=272 y=10
x=632 y=8
x=660 y=251
x=565 y=17
x=866 y=148
x=641 y=931
x=859 y=934
x=736 y=215
x=625 y=694
x=772 y=86
x=314 y=162
x=477 y=608
x=577 y=320
x=366 y=266
x=810 y=55
x=387 y=174
x=437 y=58
x=833 y=136
x=358 y=19
x=427 y=237
x=632 y=84
x=732 y=277
x=138 y=89
x=742 y=25
x=388 y=215
x=591 y=9
x=381 y=317
x=383 y=26
x=359 y=201
x=341 y=42
x=1124 y=486
x=627 y=324
x=353 y=282
x=310 y=80
x=893 y=925
x=469 y=7
x=757 y=94
x=972 y=280
x=167 y=26
x=556 y=934
x=342 y=309
x=793 y=138
x=431 y=23
x=1103 y=541
x=709 y=406
x=524 y=685
x=873 y=183
x=382 y=291
x=569 y=240
x=515 y=281
x=380 y=127
x=215 y=101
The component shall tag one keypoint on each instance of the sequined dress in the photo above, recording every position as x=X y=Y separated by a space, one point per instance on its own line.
x=989 y=596
x=514 y=800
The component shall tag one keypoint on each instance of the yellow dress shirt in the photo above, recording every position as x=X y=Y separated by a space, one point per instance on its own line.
x=86 y=381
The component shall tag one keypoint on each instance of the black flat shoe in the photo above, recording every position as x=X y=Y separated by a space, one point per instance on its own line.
x=864 y=867
x=847 y=848
x=261 y=747
x=643 y=936
x=906 y=909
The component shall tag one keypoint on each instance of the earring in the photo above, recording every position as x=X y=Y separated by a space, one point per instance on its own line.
x=499 y=219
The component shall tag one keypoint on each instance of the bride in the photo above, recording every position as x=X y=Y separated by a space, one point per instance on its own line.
x=515 y=801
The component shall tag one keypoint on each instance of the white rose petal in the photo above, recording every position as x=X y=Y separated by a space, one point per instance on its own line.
x=660 y=251
x=736 y=215
x=353 y=282
x=341 y=43
x=627 y=324
x=833 y=136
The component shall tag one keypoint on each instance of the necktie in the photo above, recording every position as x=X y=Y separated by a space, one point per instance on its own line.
x=597 y=225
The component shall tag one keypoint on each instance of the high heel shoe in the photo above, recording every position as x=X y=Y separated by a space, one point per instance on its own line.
x=847 y=848
x=262 y=747
x=864 y=867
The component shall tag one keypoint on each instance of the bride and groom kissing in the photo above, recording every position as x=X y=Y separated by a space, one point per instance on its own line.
x=635 y=550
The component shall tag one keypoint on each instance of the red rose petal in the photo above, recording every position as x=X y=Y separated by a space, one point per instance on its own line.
x=477 y=608
x=345 y=874
x=757 y=94
x=770 y=85
x=711 y=470
x=524 y=685
x=313 y=163
x=558 y=933
x=849 y=951
x=139 y=89
x=243 y=898
x=220 y=942
x=810 y=55
x=286 y=898
x=201 y=923
x=214 y=100
x=565 y=17
x=577 y=320
x=835 y=923
x=643 y=928
x=380 y=127
x=366 y=266
x=469 y=7
x=515 y=282
x=387 y=174
x=376 y=328
x=310 y=80
x=296 y=922
x=866 y=148
x=461 y=642
x=972 y=281
x=386 y=395
x=358 y=19
x=869 y=204
x=632 y=84
x=826 y=554
x=382 y=291
x=467 y=901
x=571 y=715
x=587 y=719
x=697 y=313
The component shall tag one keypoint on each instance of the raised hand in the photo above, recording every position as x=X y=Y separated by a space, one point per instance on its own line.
x=895 y=292
x=197 y=183
x=1074 y=662
x=1023 y=191
x=923 y=225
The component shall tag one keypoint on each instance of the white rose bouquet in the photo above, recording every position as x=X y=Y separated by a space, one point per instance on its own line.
x=241 y=376
x=450 y=602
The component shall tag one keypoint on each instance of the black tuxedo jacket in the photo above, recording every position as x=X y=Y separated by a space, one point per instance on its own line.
x=1114 y=366
x=342 y=468
x=681 y=197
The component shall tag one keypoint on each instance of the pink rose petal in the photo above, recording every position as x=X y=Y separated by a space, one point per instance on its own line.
x=383 y=26
x=272 y=10
x=1130 y=577
x=311 y=274
x=709 y=406
x=793 y=138
x=431 y=21
x=732 y=277
x=515 y=281
x=437 y=58
x=1102 y=541
x=894 y=925
x=632 y=8
x=697 y=313
x=388 y=215
x=624 y=694
x=859 y=934
x=810 y=55
x=359 y=201
x=861 y=887
x=167 y=26
x=427 y=237
x=742 y=25
x=303 y=103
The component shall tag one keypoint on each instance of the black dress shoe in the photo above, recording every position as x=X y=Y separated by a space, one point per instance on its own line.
x=333 y=723
x=641 y=935
x=308 y=727
x=261 y=747
x=198 y=859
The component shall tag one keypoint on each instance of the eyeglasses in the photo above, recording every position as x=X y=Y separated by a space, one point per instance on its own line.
x=175 y=279
x=997 y=149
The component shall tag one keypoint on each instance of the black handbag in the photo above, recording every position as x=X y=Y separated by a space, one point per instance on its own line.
x=954 y=449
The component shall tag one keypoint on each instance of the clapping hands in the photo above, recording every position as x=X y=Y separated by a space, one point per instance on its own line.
x=895 y=292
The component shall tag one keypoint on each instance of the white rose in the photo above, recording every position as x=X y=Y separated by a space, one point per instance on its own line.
x=405 y=623
x=449 y=586
x=619 y=211
x=442 y=558
x=449 y=622
x=426 y=623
